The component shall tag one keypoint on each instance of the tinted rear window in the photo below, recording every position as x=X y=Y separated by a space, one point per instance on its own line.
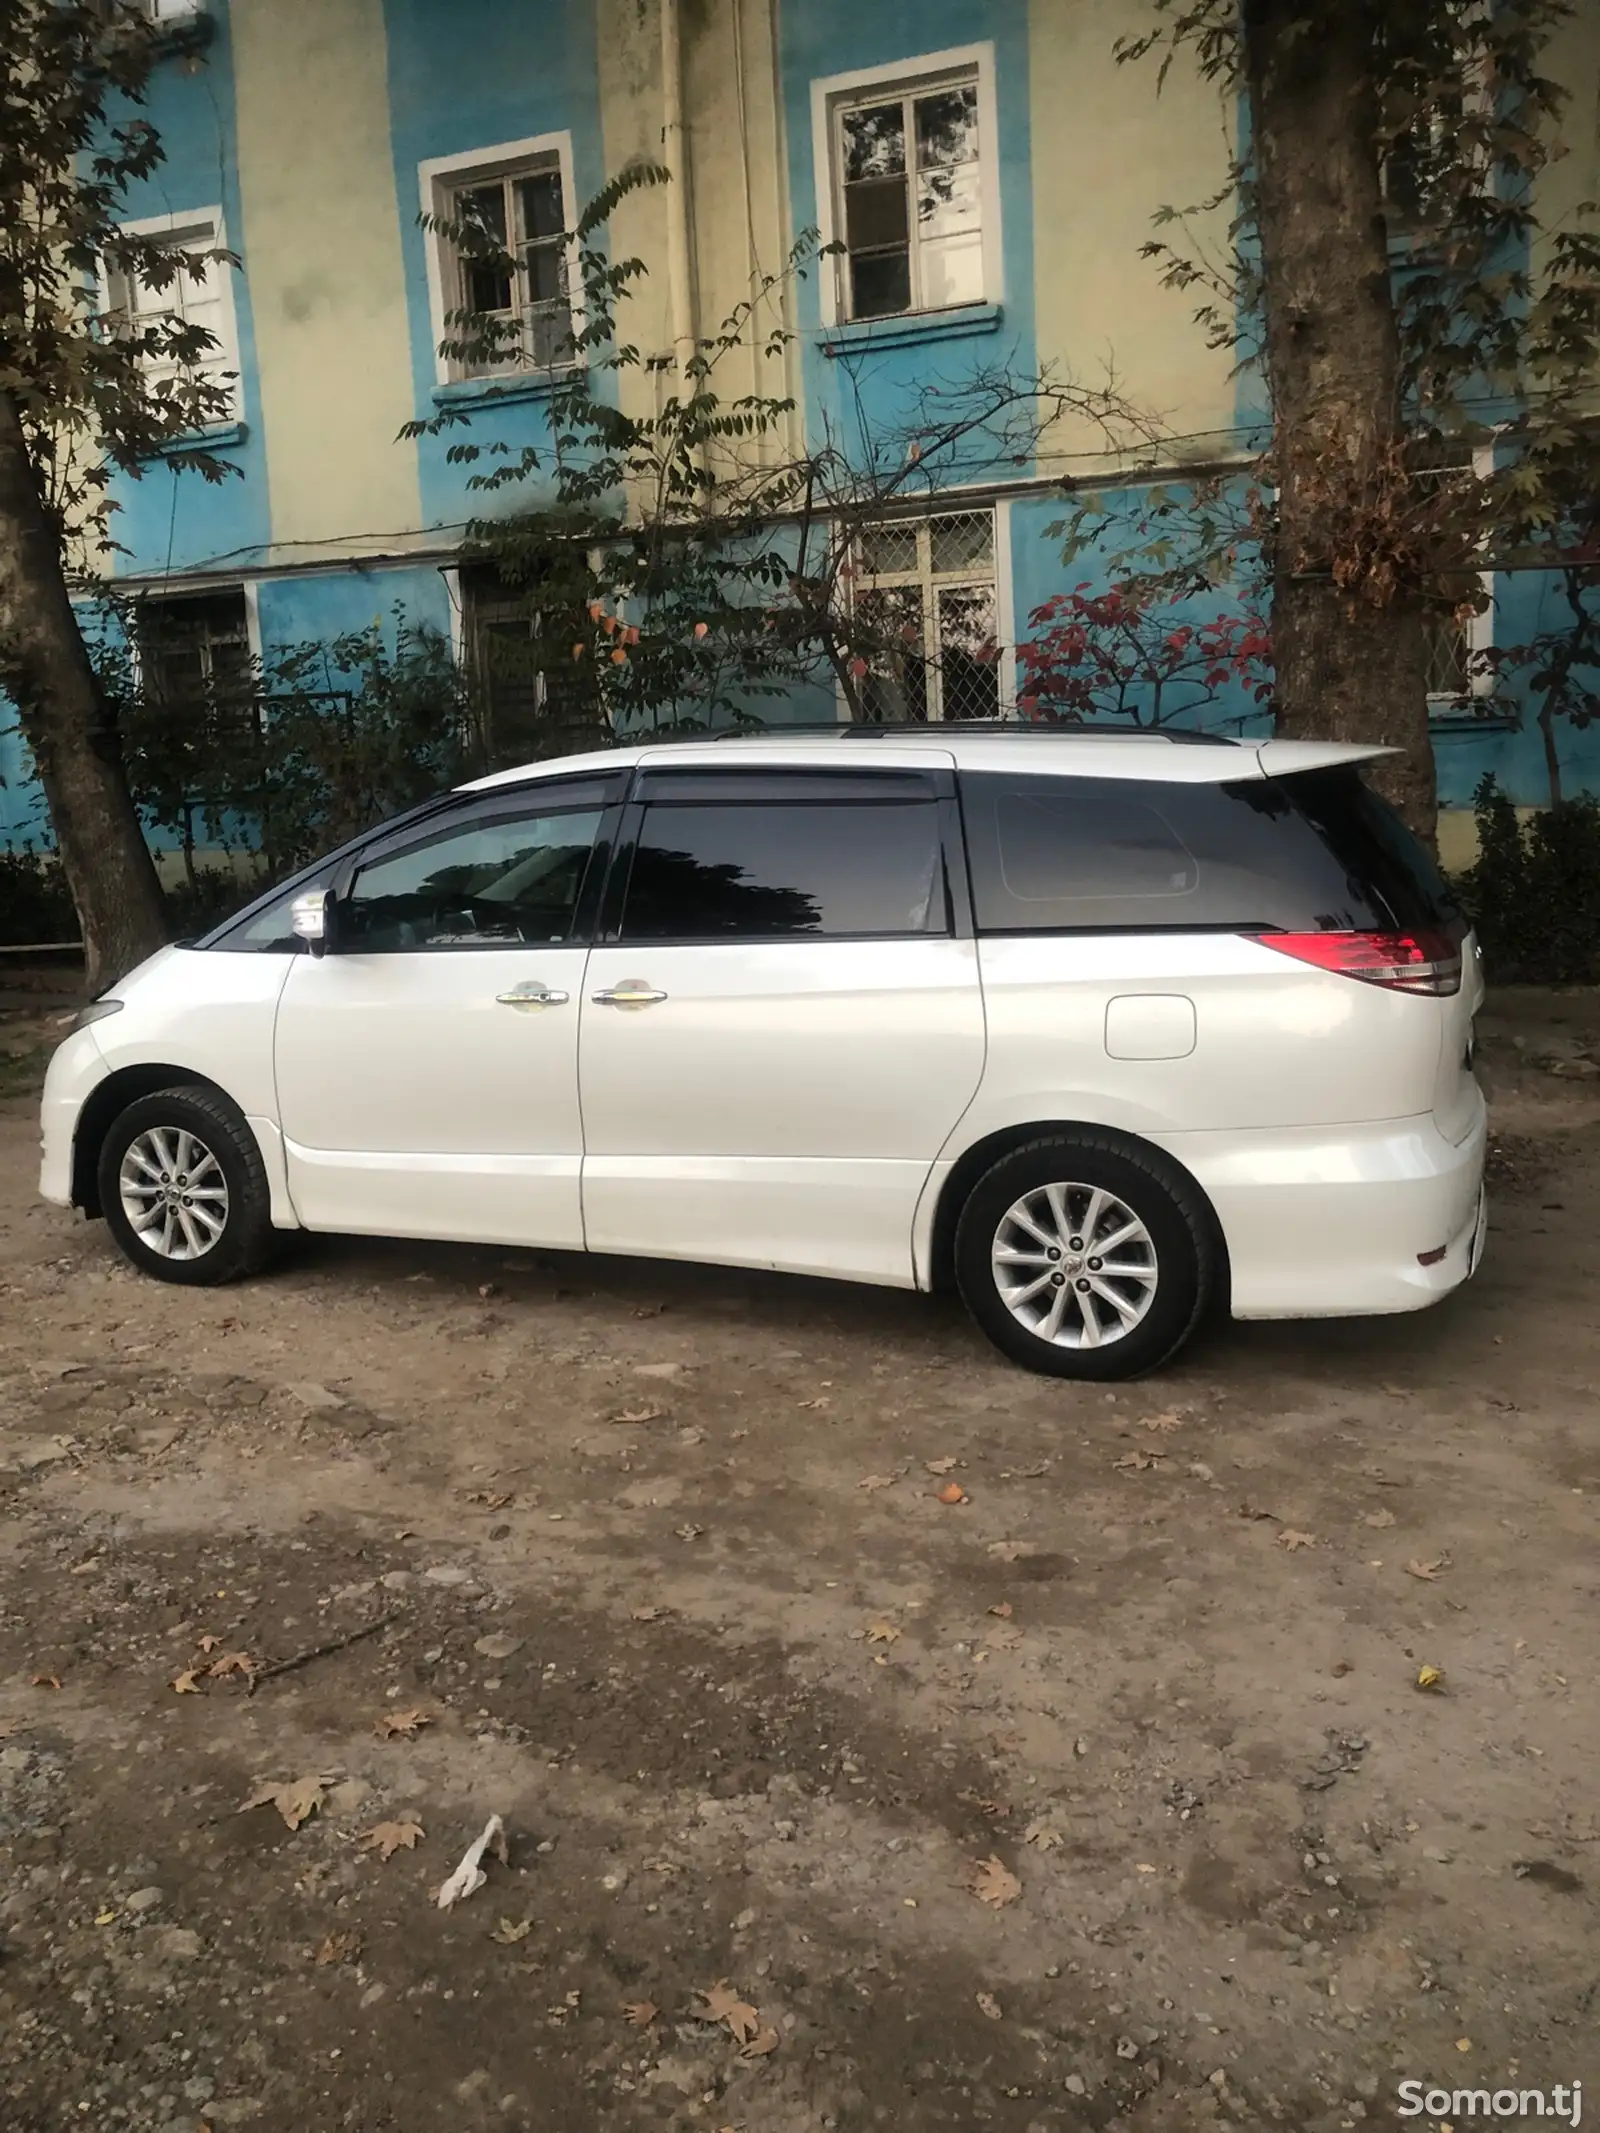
x=770 y=869
x=1315 y=853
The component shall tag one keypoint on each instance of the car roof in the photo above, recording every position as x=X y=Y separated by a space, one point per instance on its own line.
x=1075 y=751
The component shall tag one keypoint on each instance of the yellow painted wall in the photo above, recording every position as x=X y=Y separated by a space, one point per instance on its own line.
x=1107 y=153
x=1573 y=177
x=735 y=178
x=321 y=243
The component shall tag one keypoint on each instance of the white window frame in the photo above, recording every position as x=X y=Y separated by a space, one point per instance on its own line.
x=206 y=226
x=172 y=10
x=928 y=70
x=1478 y=630
x=438 y=179
x=929 y=582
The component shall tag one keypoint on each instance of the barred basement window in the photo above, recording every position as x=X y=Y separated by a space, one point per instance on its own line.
x=925 y=603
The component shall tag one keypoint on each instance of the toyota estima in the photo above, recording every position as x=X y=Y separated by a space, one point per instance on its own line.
x=1104 y=1030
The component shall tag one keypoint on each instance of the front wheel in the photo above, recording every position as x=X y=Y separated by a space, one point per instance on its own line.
x=184 y=1190
x=1083 y=1256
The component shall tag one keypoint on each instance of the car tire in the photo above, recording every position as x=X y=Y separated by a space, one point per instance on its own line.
x=184 y=1190
x=1029 y=1274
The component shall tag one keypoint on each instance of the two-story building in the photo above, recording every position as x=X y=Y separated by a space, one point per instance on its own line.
x=988 y=167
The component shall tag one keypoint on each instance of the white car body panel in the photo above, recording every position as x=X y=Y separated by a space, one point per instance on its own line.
x=761 y=1114
x=414 y=1103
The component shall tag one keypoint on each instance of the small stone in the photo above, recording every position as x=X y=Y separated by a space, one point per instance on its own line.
x=142 y=1900
x=446 y=1574
x=1218 y=2078
x=177 y=1944
x=395 y=1580
x=499 y=1646
x=1075 y=2085
x=616 y=1881
x=313 y=1395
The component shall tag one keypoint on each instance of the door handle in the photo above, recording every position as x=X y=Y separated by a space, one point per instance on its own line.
x=632 y=992
x=532 y=994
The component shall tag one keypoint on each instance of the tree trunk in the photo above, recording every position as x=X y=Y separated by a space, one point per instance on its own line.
x=1348 y=667
x=69 y=729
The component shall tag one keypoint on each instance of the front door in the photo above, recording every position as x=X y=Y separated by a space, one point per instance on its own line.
x=785 y=1028
x=427 y=1067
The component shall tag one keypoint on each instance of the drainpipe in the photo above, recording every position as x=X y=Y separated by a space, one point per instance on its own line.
x=675 y=154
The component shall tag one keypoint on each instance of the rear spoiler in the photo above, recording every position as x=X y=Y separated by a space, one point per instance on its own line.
x=1281 y=759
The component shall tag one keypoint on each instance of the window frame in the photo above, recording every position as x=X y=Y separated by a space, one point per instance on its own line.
x=112 y=290
x=741 y=781
x=831 y=96
x=439 y=179
x=1478 y=630
x=931 y=582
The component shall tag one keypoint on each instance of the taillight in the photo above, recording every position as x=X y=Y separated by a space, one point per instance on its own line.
x=1428 y=962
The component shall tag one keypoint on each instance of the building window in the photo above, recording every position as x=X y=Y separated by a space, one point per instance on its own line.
x=909 y=189
x=926 y=612
x=530 y=698
x=500 y=259
x=200 y=294
x=1457 y=641
x=196 y=658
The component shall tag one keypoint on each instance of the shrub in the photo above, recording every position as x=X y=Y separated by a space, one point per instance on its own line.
x=34 y=902
x=1534 y=891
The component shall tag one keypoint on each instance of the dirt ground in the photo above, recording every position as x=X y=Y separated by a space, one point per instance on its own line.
x=651 y=1562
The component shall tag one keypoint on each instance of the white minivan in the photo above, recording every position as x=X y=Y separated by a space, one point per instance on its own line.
x=1103 y=1029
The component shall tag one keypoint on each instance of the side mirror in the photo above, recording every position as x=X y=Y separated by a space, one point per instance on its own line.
x=310 y=917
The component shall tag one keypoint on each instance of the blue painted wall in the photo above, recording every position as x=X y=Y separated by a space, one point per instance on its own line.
x=176 y=520
x=464 y=77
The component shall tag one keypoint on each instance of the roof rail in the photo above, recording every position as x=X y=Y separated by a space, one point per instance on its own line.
x=890 y=729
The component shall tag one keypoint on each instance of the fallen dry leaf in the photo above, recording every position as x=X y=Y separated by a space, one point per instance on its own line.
x=209 y=1644
x=1291 y=1539
x=642 y=1414
x=1012 y=1551
x=1136 y=1462
x=1165 y=1423
x=989 y=2005
x=721 y=2003
x=1041 y=1831
x=338 y=1948
x=641 y=2013
x=45 y=1681
x=763 y=2042
x=939 y=1466
x=952 y=1492
x=1380 y=1519
x=1430 y=1677
x=232 y=1663
x=1250 y=1510
x=650 y=1614
x=993 y=1883
x=1429 y=1570
x=296 y=1799
x=387 y=1838
x=188 y=1682
x=492 y=1499
x=876 y=1481
x=985 y=1805
x=1002 y=1608
x=402 y=1725
x=509 y=1932
x=882 y=1633
x=820 y=1401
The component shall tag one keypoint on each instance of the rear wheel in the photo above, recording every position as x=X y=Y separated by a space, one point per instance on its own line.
x=1084 y=1256
x=184 y=1189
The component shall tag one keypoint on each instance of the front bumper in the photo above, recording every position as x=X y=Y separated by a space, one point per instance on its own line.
x=76 y=1068
x=1331 y=1222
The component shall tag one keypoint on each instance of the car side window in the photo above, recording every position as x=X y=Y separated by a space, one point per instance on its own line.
x=772 y=868
x=500 y=881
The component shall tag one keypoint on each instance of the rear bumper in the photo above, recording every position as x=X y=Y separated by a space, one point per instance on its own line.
x=1335 y=1221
